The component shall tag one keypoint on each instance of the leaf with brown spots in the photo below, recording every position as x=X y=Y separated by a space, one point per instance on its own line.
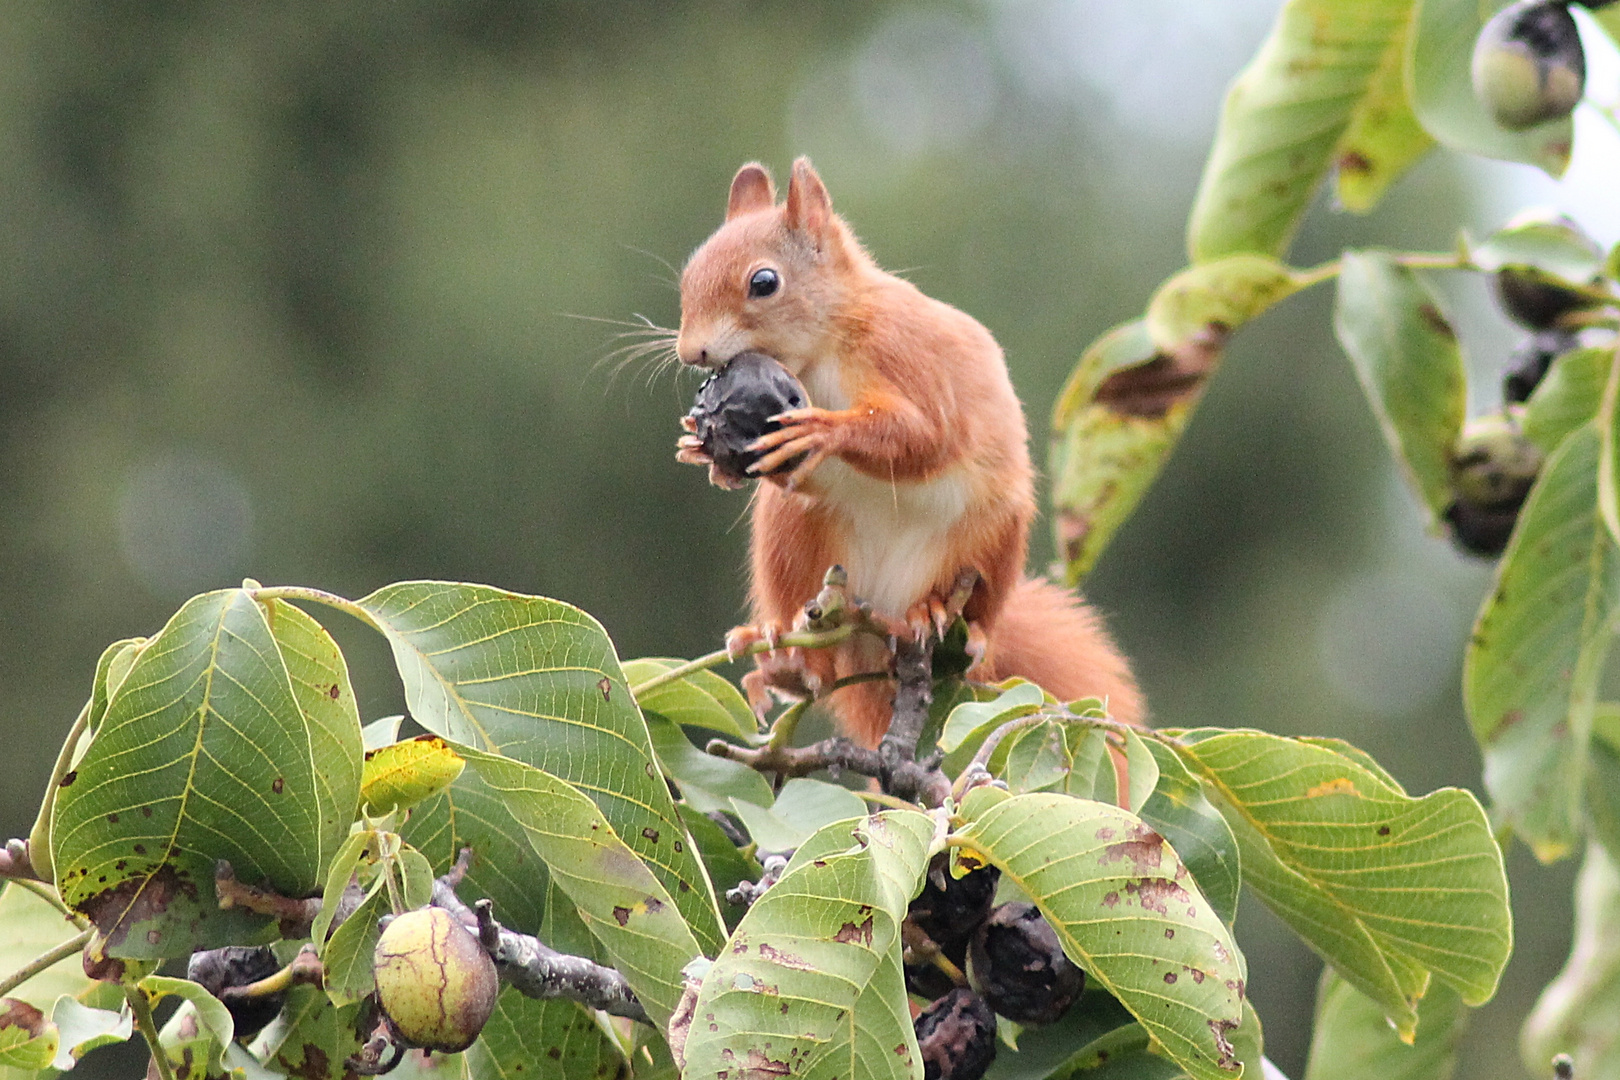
x=1111 y=886
x=553 y=1038
x=812 y=976
x=1387 y=887
x=213 y=710
x=622 y=901
x=1325 y=88
x=521 y=676
x=1135 y=388
x=1534 y=662
x=1407 y=358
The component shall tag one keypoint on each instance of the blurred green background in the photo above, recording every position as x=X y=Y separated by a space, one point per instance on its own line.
x=307 y=292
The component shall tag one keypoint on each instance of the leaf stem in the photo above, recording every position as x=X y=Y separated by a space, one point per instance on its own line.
x=797 y=639
x=1412 y=260
x=142 y=1008
x=48 y=894
x=316 y=596
x=43 y=961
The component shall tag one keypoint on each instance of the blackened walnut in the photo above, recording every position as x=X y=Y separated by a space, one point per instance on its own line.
x=1535 y=299
x=1020 y=968
x=1528 y=364
x=950 y=913
x=239 y=965
x=734 y=407
x=1480 y=530
x=1493 y=467
x=957 y=1037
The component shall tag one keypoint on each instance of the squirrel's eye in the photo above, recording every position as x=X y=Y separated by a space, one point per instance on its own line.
x=764 y=282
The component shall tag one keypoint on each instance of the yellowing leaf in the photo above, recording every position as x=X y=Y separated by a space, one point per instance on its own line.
x=402 y=774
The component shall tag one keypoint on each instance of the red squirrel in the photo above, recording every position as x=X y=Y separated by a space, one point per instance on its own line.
x=915 y=460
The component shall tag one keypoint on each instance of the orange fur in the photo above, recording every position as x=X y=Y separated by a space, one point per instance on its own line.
x=916 y=456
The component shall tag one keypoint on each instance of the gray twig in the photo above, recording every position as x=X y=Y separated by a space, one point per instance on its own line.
x=536 y=969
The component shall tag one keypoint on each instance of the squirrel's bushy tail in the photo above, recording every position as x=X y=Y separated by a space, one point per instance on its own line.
x=1051 y=637
x=1044 y=634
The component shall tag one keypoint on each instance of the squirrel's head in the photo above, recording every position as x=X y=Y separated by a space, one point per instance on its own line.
x=773 y=278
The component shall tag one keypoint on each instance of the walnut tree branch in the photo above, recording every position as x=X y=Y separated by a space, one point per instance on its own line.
x=535 y=969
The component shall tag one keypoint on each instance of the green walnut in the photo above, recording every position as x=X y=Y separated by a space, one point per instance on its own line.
x=434 y=980
x=1528 y=64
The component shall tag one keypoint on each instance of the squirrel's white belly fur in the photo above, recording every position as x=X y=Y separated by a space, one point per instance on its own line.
x=895 y=537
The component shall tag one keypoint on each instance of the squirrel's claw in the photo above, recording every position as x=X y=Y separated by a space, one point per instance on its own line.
x=739 y=639
x=809 y=432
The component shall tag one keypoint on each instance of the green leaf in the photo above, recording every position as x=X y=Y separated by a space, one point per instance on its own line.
x=320 y=682
x=196 y=1048
x=971 y=721
x=726 y=863
x=706 y=781
x=1142 y=771
x=204 y=754
x=312 y=1039
x=382 y=732
x=1567 y=397
x=1386 y=887
x=1127 y=911
x=702 y=699
x=1114 y=424
x=1603 y=793
x=347 y=957
x=1438 y=72
x=810 y=983
x=338 y=875
x=554 y=1039
x=802 y=807
x=1179 y=812
x=1384 y=138
x=119 y=654
x=83 y=1029
x=1092 y=775
x=1351 y=1039
x=1135 y=388
x=1540 y=243
x=1209 y=300
x=1319 y=89
x=33 y=927
x=1575 y=1014
x=1407 y=358
x=28 y=1039
x=621 y=899
x=415 y=878
x=537 y=680
x=1068 y=1046
x=1532 y=665
x=504 y=867
x=1036 y=758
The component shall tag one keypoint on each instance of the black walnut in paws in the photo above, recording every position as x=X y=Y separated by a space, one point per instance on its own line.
x=734 y=407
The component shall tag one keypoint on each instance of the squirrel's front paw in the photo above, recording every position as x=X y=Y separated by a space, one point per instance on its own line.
x=689 y=451
x=809 y=432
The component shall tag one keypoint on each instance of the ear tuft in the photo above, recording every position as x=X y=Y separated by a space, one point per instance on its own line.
x=751 y=189
x=809 y=207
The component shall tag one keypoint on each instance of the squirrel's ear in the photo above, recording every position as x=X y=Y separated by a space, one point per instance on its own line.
x=809 y=207
x=751 y=189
